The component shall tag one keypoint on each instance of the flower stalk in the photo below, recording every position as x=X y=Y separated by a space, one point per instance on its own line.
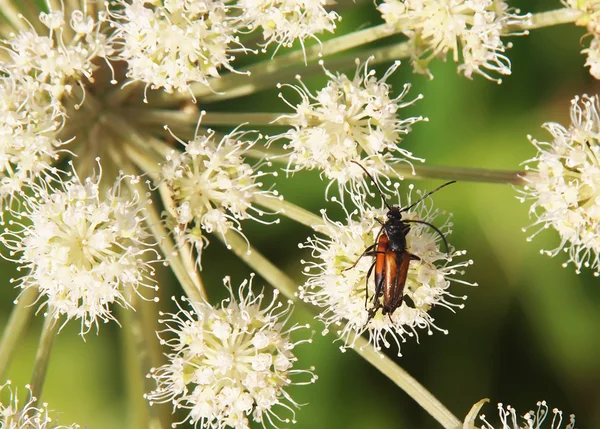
x=15 y=328
x=42 y=357
x=407 y=383
x=548 y=19
x=140 y=354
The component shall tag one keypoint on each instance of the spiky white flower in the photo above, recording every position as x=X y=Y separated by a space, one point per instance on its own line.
x=65 y=55
x=81 y=248
x=468 y=28
x=230 y=364
x=563 y=181
x=349 y=121
x=531 y=420
x=285 y=21
x=30 y=119
x=338 y=286
x=213 y=187
x=28 y=416
x=175 y=44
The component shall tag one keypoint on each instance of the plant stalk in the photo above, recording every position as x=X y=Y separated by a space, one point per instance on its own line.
x=15 y=328
x=42 y=357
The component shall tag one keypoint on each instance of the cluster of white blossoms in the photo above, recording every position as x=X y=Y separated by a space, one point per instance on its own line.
x=590 y=19
x=64 y=55
x=230 y=364
x=468 y=28
x=38 y=71
x=175 y=44
x=213 y=187
x=563 y=181
x=81 y=248
x=284 y=21
x=29 y=120
x=531 y=420
x=340 y=276
x=348 y=121
x=28 y=416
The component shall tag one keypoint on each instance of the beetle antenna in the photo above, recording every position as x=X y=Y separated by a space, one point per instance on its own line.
x=436 y=230
x=426 y=195
x=374 y=183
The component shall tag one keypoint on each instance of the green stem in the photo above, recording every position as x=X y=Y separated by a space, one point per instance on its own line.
x=407 y=383
x=15 y=327
x=461 y=174
x=140 y=356
x=178 y=118
x=290 y=210
x=388 y=367
x=42 y=357
x=268 y=79
x=255 y=260
x=419 y=172
x=548 y=19
x=11 y=14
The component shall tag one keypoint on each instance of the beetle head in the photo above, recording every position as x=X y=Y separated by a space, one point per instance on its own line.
x=394 y=213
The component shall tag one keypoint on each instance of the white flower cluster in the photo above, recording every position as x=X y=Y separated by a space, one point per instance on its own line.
x=563 y=181
x=468 y=28
x=531 y=420
x=591 y=20
x=81 y=249
x=229 y=364
x=64 y=55
x=36 y=72
x=29 y=122
x=341 y=276
x=347 y=121
x=213 y=187
x=285 y=21
x=174 y=44
x=28 y=416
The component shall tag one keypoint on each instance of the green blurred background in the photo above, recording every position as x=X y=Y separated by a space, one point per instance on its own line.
x=528 y=332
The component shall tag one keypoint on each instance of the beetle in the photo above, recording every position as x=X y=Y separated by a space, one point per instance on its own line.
x=392 y=259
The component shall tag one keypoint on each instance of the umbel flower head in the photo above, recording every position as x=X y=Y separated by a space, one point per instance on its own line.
x=538 y=419
x=338 y=286
x=213 y=188
x=349 y=120
x=230 y=364
x=468 y=28
x=16 y=416
x=82 y=248
x=563 y=181
x=37 y=71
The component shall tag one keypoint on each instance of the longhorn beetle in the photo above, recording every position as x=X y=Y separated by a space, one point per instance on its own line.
x=392 y=259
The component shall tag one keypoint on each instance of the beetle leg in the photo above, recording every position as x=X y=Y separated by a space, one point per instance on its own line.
x=378 y=290
x=414 y=257
x=368 y=252
x=367 y=284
